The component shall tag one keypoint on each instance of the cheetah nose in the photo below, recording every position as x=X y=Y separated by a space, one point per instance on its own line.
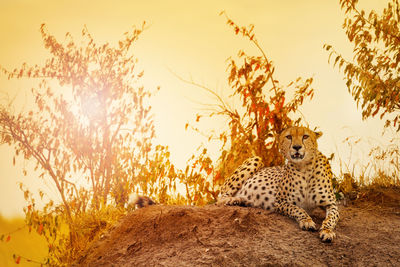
x=297 y=147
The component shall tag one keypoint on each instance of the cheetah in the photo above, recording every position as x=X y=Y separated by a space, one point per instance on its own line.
x=303 y=183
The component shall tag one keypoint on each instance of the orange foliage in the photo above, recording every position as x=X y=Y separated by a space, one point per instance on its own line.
x=90 y=134
x=265 y=111
x=373 y=77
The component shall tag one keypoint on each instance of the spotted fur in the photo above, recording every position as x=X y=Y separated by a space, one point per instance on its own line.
x=142 y=201
x=303 y=183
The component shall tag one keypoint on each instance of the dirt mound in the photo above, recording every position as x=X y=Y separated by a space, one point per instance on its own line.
x=367 y=235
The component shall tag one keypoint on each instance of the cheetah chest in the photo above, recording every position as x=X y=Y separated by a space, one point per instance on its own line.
x=298 y=189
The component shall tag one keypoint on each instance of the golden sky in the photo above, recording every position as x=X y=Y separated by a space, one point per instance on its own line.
x=191 y=40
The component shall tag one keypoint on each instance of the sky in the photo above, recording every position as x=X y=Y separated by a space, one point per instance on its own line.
x=191 y=40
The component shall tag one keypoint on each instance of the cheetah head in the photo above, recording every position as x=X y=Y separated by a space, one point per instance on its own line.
x=298 y=144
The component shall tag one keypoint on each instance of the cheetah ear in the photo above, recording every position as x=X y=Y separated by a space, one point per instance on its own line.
x=318 y=134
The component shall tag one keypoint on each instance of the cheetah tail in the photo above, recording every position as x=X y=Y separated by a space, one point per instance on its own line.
x=142 y=201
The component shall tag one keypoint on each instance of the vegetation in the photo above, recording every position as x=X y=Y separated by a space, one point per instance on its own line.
x=90 y=134
x=265 y=108
x=373 y=78
x=380 y=169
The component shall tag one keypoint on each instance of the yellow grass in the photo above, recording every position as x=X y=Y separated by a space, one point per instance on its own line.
x=379 y=169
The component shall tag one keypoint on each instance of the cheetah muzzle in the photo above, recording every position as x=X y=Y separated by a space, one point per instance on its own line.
x=297 y=155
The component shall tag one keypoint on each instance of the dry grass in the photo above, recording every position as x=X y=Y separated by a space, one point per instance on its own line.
x=376 y=176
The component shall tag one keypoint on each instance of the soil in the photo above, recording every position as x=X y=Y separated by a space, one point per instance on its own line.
x=368 y=234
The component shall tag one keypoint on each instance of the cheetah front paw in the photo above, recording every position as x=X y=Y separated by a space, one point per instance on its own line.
x=326 y=235
x=307 y=224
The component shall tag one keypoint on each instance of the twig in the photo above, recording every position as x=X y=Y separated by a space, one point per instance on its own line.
x=224 y=106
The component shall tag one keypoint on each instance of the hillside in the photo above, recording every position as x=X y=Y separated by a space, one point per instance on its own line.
x=368 y=234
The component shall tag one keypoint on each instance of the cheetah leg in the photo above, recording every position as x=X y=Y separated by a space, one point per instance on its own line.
x=247 y=169
x=332 y=217
x=232 y=201
x=299 y=214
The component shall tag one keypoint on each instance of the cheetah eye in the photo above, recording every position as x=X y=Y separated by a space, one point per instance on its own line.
x=305 y=136
x=289 y=137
